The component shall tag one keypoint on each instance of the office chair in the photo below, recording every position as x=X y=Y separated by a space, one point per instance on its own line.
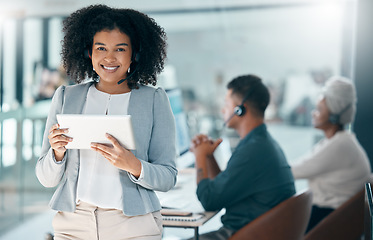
x=344 y=223
x=368 y=212
x=286 y=221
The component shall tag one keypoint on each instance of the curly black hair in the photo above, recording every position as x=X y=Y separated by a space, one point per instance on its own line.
x=148 y=40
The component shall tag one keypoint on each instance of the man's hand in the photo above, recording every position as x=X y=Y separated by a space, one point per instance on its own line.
x=204 y=146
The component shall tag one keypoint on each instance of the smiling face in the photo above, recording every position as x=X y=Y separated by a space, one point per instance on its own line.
x=320 y=115
x=111 y=58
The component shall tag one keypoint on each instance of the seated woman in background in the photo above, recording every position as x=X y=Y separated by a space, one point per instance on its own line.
x=338 y=166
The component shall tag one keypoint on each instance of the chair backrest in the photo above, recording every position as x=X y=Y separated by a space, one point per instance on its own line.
x=345 y=222
x=368 y=212
x=287 y=221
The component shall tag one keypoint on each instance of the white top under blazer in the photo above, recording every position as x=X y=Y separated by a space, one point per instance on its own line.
x=98 y=181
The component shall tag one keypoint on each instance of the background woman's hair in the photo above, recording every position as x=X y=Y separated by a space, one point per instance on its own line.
x=148 y=40
x=340 y=96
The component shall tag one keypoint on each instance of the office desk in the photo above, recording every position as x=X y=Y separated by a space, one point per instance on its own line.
x=183 y=197
x=194 y=224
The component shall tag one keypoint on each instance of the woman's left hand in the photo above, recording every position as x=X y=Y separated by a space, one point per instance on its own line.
x=119 y=156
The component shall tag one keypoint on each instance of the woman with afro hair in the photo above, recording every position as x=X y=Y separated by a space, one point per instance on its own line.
x=107 y=192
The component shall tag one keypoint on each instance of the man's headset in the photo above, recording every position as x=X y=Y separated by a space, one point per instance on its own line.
x=240 y=110
x=334 y=118
x=135 y=58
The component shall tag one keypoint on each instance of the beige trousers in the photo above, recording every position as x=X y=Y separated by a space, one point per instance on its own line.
x=94 y=223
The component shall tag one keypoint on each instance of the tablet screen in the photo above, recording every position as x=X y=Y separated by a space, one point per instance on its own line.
x=85 y=129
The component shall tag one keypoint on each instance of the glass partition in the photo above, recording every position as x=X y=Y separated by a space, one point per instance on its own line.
x=22 y=124
x=9 y=66
x=32 y=56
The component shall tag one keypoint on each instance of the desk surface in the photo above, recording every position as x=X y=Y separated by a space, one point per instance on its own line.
x=183 y=197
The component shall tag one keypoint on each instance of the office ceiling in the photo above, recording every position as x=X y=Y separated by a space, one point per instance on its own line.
x=24 y=8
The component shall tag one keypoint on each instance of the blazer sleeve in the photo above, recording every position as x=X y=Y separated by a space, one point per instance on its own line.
x=48 y=171
x=159 y=173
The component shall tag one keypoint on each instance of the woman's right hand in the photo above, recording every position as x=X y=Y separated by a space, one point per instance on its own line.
x=58 y=140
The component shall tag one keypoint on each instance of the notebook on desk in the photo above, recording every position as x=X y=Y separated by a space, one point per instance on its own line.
x=175 y=212
x=192 y=218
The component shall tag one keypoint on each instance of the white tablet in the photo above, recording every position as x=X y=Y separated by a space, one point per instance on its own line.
x=85 y=129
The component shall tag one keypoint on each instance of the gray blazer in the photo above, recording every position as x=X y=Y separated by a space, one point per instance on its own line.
x=154 y=130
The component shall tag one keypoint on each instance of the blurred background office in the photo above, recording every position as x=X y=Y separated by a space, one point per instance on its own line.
x=294 y=45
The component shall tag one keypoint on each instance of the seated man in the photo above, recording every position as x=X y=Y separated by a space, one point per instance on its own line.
x=257 y=176
x=338 y=166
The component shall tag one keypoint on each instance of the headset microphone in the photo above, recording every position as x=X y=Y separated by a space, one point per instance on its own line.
x=122 y=80
x=240 y=110
x=129 y=75
x=136 y=58
x=227 y=121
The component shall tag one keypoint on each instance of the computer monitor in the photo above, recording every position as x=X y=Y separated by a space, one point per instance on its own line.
x=368 y=212
x=182 y=130
x=186 y=158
